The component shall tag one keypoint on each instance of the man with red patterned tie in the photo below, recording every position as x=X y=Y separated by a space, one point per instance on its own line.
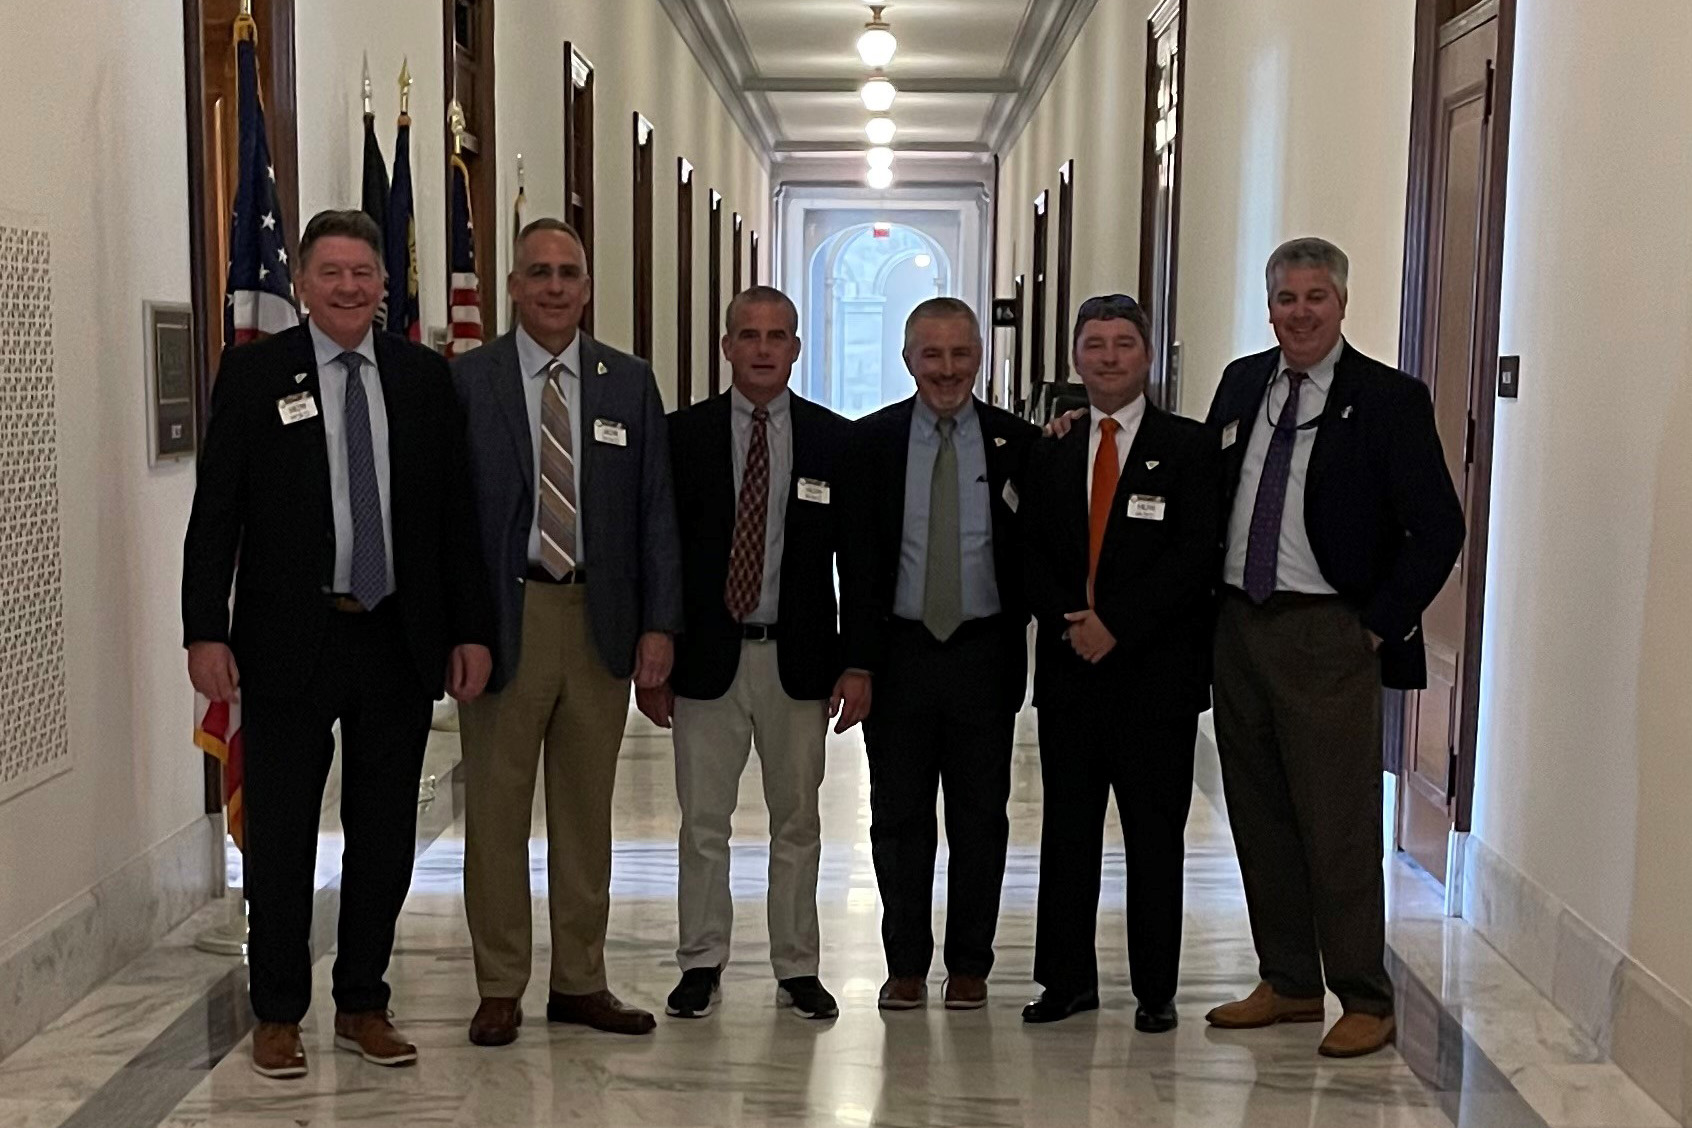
x=1120 y=536
x=759 y=660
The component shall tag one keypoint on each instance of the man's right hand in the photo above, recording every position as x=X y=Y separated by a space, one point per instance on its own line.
x=657 y=704
x=211 y=667
x=1061 y=423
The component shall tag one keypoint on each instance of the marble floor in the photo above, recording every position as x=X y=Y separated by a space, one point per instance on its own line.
x=163 y=1043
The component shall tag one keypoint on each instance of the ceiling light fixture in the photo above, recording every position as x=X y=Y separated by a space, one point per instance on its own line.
x=880 y=130
x=878 y=95
x=877 y=44
x=880 y=157
x=879 y=178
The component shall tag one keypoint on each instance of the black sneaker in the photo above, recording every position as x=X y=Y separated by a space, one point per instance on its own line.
x=807 y=997
x=696 y=994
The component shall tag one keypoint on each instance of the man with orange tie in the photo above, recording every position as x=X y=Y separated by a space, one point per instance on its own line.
x=1121 y=529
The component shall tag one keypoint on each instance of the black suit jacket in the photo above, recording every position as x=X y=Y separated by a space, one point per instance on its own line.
x=263 y=496
x=875 y=514
x=1154 y=585
x=808 y=646
x=1381 y=513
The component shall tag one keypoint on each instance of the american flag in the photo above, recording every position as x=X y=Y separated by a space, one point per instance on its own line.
x=465 y=315
x=218 y=733
x=260 y=287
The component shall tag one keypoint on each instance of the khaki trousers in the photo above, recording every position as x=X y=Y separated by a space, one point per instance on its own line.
x=713 y=740
x=565 y=708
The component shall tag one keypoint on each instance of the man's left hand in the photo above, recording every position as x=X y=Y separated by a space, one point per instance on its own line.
x=654 y=656
x=1089 y=636
x=468 y=671
x=851 y=700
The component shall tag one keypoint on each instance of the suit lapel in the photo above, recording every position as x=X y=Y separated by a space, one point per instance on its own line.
x=719 y=458
x=513 y=404
x=996 y=445
x=897 y=452
x=303 y=359
x=1251 y=402
x=1336 y=424
x=594 y=394
x=1074 y=503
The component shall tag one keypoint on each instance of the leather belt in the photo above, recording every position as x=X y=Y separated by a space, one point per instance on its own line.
x=346 y=604
x=759 y=632
x=540 y=575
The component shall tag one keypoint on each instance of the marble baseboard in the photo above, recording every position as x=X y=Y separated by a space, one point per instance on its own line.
x=47 y=969
x=1642 y=1024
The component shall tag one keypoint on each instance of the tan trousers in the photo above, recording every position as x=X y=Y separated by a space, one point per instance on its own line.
x=563 y=707
x=713 y=739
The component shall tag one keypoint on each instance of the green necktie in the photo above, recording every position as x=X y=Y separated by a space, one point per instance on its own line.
x=942 y=589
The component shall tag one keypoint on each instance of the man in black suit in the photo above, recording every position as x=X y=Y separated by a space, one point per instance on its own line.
x=570 y=464
x=332 y=491
x=758 y=660
x=1120 y=530
x=934 y=608
x=1342 y=527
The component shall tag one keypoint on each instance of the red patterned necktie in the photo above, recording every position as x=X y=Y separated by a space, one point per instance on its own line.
x=746 y=561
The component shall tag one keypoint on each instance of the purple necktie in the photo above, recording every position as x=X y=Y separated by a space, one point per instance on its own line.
x=1263 y=546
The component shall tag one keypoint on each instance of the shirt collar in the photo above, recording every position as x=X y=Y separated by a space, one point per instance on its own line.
x=1127 y=417
x=328 y=352
x=929 y=422
x=534 y=359
x=778 y=407
x=1322 y=375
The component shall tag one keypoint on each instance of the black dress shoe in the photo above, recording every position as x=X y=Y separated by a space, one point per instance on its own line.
x=1156 y=1020
x=1055 y=1006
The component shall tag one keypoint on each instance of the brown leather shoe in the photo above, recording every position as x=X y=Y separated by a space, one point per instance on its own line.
x=903 y=992
x=372 y=1037
x=601 y=1010
x=966 y=992
x=496 y=1022
x=278 y=1051
x=1263 y=1007
x=1357 y=1034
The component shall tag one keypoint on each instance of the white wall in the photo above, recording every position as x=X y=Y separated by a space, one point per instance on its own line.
x=1585 y=773
x=97 y=153
x=1296 y=122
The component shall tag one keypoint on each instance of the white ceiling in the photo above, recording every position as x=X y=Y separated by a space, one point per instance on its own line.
x=969 y=72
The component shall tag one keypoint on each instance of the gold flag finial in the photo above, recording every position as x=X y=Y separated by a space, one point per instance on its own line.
x=405 y=86
x=247 y=8
x=455 y=122
x=367 y=84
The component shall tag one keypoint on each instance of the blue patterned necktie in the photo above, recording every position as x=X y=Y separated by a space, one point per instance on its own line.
x=364 y=495
x=1263 y=546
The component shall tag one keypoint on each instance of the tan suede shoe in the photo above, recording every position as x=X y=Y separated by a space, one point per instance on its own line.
x=1263 y=1007
x=1357 y=1034
x=965 y=992
x=372 y=1037
x=903 y=992
x=278 y=1051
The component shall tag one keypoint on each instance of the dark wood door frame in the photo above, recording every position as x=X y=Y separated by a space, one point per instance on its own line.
x=578 y=154
x=643 y=146
x=1168 y=12
x=714 y=293
x=1037 y=312
x=480 y=149
x=1413 y=355
x=684 y=281
x=1065 y=268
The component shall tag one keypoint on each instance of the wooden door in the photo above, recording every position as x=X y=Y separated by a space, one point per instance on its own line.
x=1160 y=196
x=1458 y=319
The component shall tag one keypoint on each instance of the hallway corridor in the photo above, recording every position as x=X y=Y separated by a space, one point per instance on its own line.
x=162 y=1043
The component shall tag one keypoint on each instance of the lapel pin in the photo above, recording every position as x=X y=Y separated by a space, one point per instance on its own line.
x=1153 y=464
x=998 y=441
x=299 y=377
x=602 y=368
x=1346 y=414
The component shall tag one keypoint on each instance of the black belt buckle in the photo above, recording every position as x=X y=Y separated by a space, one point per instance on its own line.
x=758 y=632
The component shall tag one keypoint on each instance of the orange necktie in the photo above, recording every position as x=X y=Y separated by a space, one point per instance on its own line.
x=1105 y=475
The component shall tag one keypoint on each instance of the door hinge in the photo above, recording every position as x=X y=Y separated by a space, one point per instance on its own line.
x=1469 y=443
x=1491 y=76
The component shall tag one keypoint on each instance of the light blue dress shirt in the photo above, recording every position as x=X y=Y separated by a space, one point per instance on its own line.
x=975 y=522
x=332 y=390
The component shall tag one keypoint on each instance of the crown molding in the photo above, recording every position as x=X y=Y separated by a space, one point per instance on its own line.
x=1049 y=29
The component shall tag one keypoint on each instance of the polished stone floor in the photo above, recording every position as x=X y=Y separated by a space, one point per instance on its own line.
x=164 y=1042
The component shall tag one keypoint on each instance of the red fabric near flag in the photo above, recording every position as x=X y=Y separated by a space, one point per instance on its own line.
x=464 y=313
x=218 y=733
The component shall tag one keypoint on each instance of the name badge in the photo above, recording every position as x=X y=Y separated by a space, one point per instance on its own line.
x=1144 y=507
x=812 y=490
x=296 y=407
x=1011 y=498
x=610 y=431
x=1230 y=433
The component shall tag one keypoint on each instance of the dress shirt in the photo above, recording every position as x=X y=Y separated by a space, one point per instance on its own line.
x=534 y=361
x=778 y=432
x=1295 y=565
x=975 y=523
x=1128 y=424
x=332 y=389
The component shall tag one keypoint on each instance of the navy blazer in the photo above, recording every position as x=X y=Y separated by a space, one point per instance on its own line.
x=1381 y=513
x=627 y=502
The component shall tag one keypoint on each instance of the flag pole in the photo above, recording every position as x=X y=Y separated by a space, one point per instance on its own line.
x=367 y=111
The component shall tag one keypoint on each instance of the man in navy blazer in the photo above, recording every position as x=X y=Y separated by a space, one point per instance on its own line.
x=570 y=462
x=1342 y=526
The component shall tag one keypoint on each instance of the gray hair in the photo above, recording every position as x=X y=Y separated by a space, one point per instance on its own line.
x=936 y=308
x=1308 y=252
x=547 y=223
x=346 y=225
x=759 y=295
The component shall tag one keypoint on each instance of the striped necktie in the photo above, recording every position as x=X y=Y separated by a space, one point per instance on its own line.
x=558 y=478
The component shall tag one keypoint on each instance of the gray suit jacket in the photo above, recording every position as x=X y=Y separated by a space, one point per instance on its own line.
x=626 y=494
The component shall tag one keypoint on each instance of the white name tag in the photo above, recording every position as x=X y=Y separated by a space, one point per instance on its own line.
x=296 y=407
x=1230 y=433
x=1144 y=507
x=812 y=490
x=610 y=431
x=1011 y=498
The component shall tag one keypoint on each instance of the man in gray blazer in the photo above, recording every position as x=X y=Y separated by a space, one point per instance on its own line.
x=570 y=463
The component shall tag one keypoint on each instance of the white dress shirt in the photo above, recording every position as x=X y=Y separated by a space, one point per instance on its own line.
x=332 y=390
x=1128 y=421
x=535 y=360
x=778 y=433
x=1295 y=566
